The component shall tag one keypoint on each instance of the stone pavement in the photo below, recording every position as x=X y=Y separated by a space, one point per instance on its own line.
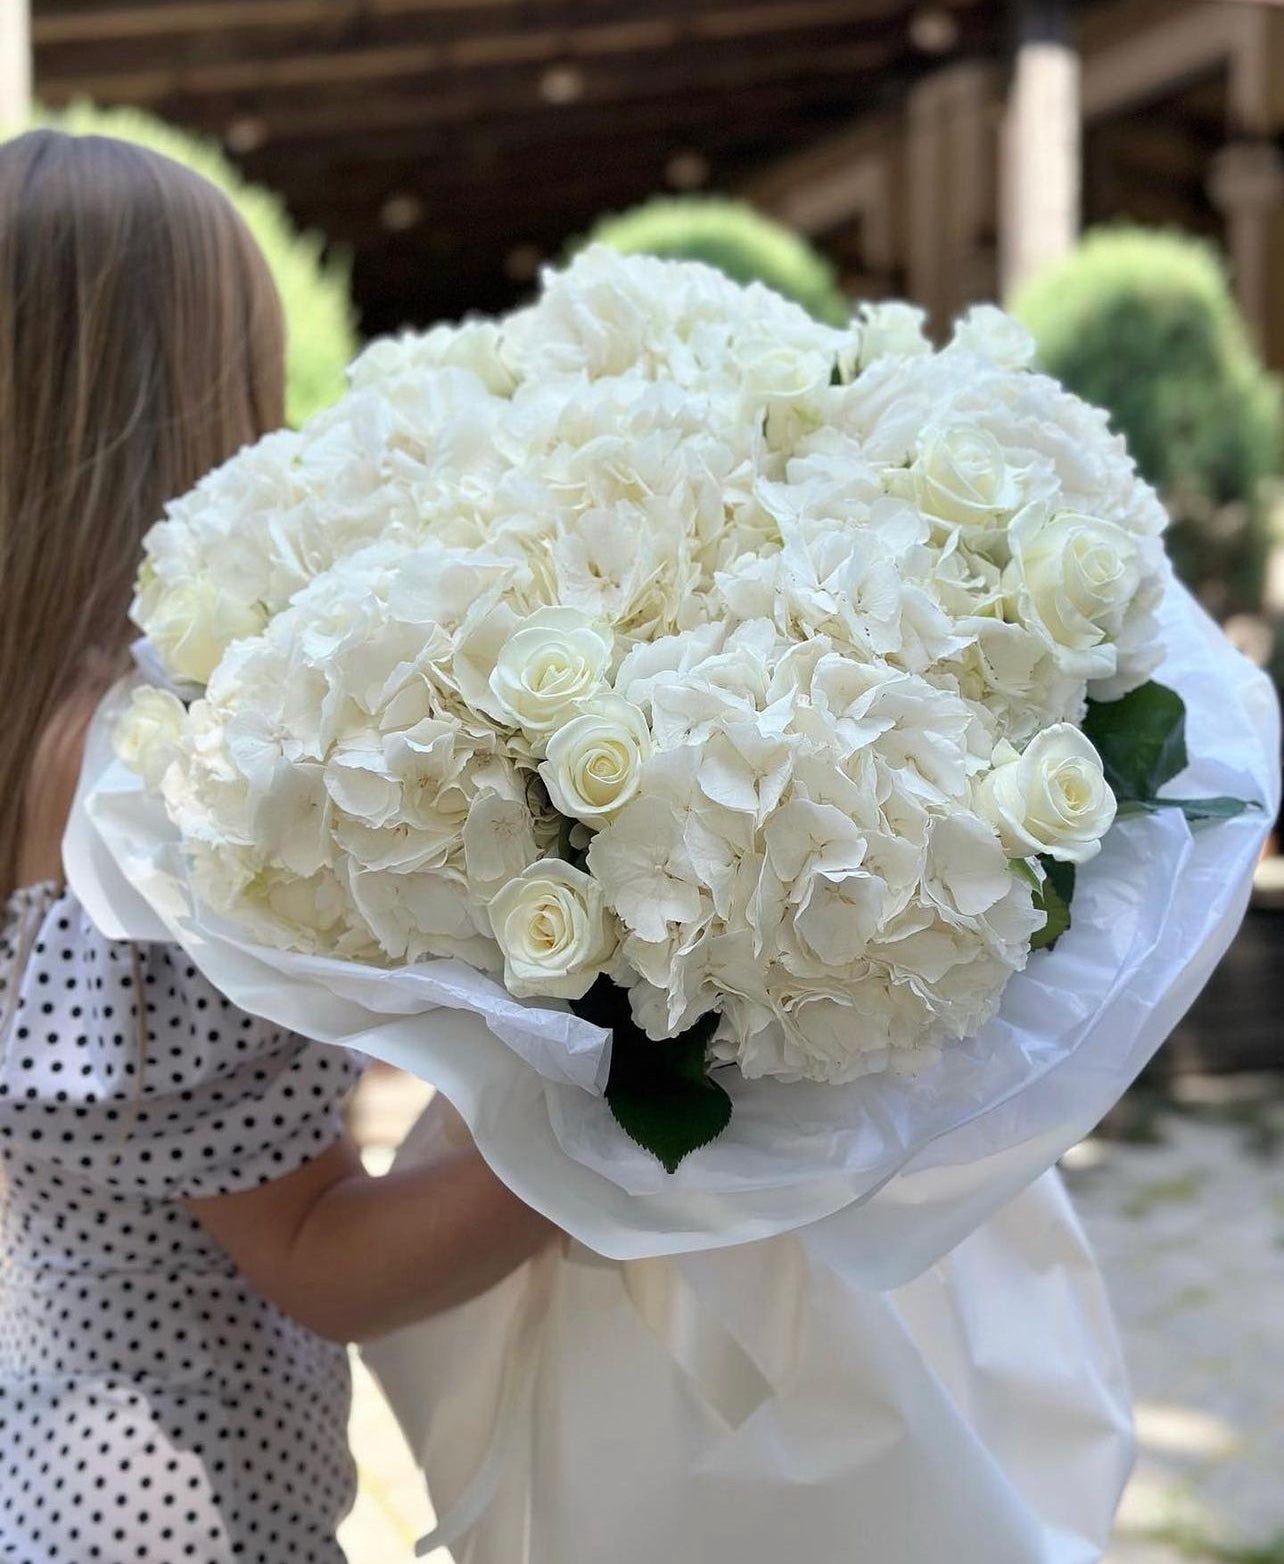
x=1189 y=1229
x=392 y=1510
x=1187 y=1215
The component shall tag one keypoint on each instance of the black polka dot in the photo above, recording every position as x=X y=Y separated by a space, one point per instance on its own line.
x=151 y=1403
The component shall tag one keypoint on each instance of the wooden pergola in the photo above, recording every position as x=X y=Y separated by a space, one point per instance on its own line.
x=452 y=143
x=1165 y=112
x=933 y=146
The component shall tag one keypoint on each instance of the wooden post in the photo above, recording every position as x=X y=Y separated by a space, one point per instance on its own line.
x=950 y=154
x=1040 y=204
x=1248 y=186
x=1248 y=176
x=15 y=63
x=1127 y=66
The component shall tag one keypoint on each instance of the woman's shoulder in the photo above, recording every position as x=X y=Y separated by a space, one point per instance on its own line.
x=134 y=1034
x=107 y=1017
x=124 y=1009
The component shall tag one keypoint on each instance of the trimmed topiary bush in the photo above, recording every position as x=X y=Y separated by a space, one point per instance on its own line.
x=1144 y=323
x=314 y=287
x=736 y=239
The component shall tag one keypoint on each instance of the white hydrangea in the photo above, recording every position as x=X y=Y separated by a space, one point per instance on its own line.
x=658 y=631
x=344 y=793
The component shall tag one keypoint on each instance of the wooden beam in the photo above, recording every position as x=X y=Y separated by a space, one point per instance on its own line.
x=369 y=65
x=1129 y=71
x=783 y=177
x=1161 y=53
x=470 y=99
x=851 y=178
x=792 y=16
x=1257 y=76
x=15 y=63
x=357 y=58
x=112 y=23
x=721 y=124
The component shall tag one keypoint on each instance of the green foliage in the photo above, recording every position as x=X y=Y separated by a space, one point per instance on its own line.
x=1144 y=323
x=314 y=287
x=1195 y=1543
x=737 y=240
x=659 y=1092
x=1053 y=899
x=1141 y=740
x=1142 y=743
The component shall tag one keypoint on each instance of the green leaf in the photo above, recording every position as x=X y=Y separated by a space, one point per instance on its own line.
x=1141 y=740
x=564 y=848
x=659 y=1092
x=1053 y=898
x=1142 y=743
x=1061 y=876
x=1220 y=808
x=671 y=1121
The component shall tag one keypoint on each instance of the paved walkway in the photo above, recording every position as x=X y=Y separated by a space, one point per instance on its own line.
x=1188 y=1218
x=1190 y=1233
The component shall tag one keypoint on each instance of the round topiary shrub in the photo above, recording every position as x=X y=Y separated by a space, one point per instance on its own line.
x=314 y=287
x=737 y=240
x=1144 y=323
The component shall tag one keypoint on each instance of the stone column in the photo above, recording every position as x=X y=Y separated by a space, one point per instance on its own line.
x=1041 y=160
x=1248 y=186
x=15 y=63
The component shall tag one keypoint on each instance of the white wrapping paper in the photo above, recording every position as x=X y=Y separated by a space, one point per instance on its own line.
x=759 y=1404
x=863 y=1324
x=923 y=1159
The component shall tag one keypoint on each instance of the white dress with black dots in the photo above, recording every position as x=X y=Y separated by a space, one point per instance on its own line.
x=152 y=1406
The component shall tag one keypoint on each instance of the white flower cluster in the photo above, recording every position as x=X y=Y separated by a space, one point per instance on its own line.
x=660 y=632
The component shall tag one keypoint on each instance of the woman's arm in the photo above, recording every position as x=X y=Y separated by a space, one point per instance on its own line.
x=353 y=1257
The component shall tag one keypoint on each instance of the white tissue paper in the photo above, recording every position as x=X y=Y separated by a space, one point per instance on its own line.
x=862 y=1325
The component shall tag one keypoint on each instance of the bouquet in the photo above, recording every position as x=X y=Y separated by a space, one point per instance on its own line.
x=688 y=735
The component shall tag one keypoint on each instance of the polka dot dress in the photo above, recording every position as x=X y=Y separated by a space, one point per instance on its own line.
x=152 y=1406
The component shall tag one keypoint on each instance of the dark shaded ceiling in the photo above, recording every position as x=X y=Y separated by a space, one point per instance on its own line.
x=450 y=144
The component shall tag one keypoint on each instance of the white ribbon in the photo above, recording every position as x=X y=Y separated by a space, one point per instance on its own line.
x=728 y=1380
x=513 y=1407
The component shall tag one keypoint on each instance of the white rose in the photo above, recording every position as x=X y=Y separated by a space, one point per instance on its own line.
x=892 y=331
x=990 y=333
x=594 y=762
x=1052 y=799
x=962 y=477
x=1072 y=580
x=147 y=736
x=553 y=928
x=193 y=623
x=552 y=664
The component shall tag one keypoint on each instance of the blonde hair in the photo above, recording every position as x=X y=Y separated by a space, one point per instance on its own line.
x=141 y=344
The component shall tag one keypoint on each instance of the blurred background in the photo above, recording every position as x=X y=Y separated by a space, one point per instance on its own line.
x=1112 y=170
